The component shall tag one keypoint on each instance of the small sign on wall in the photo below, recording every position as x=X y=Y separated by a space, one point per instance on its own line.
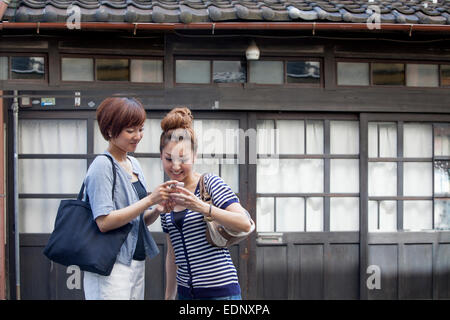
x=48 y=102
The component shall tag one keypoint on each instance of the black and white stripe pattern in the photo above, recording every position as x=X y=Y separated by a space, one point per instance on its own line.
x=201 y=265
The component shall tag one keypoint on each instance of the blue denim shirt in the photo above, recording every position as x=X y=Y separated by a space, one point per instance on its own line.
x=99 y=181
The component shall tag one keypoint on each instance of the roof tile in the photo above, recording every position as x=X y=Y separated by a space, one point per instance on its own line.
x=189 y=11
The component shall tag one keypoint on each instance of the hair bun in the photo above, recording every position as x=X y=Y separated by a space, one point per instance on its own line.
x=177 y=118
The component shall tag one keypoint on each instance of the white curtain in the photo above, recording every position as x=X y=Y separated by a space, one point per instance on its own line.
x=37 y=215
x=148 y=144
x=387 y=213
x=52 y=136
x=417 y=179
x=265 y=214
x=290 y=214
x=417 y=215
x=48 y=175
x=314 y=137
x=217 y=136
x=344 y=176
x=417 y=140
x=344 y=137
x=382 y=179
x=291 y=136
x=314 y=214
x=344 y=214
x=442 y=140
x=266 y=137
x=289 y=175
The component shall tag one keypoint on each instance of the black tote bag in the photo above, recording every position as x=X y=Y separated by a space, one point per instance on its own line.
x=77 y=240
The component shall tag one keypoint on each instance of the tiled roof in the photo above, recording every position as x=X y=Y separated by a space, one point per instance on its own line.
x=188 y=11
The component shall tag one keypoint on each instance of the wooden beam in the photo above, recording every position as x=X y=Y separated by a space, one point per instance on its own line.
x=2 y=205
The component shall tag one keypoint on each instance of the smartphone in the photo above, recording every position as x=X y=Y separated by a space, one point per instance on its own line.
x=178 y=184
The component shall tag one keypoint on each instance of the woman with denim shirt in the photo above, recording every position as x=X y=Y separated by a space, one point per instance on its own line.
x=194 y=268
x=121 y=123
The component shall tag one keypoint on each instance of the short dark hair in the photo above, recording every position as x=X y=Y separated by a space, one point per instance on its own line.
x=115 y=114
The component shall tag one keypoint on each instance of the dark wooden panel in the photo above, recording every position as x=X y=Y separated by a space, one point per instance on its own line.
x=309 y=282
x=35 y=275
x=416 y=271
x=272 y=272
x=443 y=271
x=342 y=278
x=385 y=257
x=155 y=275
x=69 y=282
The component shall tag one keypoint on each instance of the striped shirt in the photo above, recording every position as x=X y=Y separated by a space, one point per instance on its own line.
x=204 y=271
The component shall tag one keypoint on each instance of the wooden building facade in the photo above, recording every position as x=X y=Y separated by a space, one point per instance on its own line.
x=337 y=140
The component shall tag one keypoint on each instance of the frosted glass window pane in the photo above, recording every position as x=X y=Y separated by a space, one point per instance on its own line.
x=441 y=177
x=387 y=216
x=204 y=165
x=77 y=69
x=153 y=172
x=422 y=75
x=112 y=69
x=229 y=72
x=373 y=216
x=445 y=75
x=386 y=133
x=291 y=136
x=442 y=140
x=156 y=226
x=388 y=74
x=289 y=175
x=266 y=137
x=37 y=215
x=417 y=215
x=150 y=140
x=290 y=214
x=193 y=71
x=344 y=175
x=344 y=137
x=417 y=140
x=267 y=72
x=344 y=214
x=150 y=71
x=52 y=136
x=3 y=68
x=230 y=173
x=417 y=179
x=217 y=136
x=28 y=68
x=314 y=137
x=314 y=214
x=100 y=144
x=353 y=74
x=229 y=170
x=373 y=139
x=51 y=175
x=442 y=214
x=265 y=214
x=303 y=72
x=382 y=179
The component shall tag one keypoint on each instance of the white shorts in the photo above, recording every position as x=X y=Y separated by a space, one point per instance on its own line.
x=124 y=283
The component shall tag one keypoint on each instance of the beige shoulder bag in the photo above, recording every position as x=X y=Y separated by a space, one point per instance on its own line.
x=218 y=235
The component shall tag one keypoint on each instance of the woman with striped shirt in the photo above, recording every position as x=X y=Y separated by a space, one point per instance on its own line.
x=194 y=268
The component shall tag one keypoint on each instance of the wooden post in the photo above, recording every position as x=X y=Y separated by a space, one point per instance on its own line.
x=2 y=204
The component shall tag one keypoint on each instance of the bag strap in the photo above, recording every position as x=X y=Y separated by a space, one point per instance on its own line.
x=203 y=193
x=80 y=194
